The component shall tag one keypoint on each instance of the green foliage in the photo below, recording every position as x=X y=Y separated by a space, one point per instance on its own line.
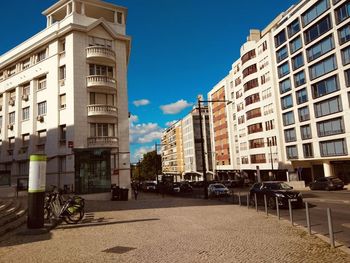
x=147 y=168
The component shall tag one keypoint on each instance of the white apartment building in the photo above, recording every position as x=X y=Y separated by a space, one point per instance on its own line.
x=63 y=93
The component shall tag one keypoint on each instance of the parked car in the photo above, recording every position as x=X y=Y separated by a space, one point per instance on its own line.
x=176 y=188
x=217 y=190
x=185 y=187
x=273 y=189
x=327 y=183
x=149 y=187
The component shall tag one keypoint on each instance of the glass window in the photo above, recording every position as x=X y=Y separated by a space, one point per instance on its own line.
x=344 y=34
x=325 y=87
x=333 y=148
x=315 y=11
x=280 y=38
x=295 y=45
x=12 y=118
x=42 y=83
x=305 y=132
x=298 y=61
x=342 y=12
x=330 y=127
x=25 y=114
x=287 y=102
x=304 y=114
x=301 y=96
x=299 y=78
x=323 y=67
x=345 y=55
x=63 y=132
x=285 y=85
x=41 y=55
x=347 y=77
x=288 y=118
x=293 y=28
x=320 y=48
x=283 y=69
x=317 y=30
x=63 y=101
x=63 y=72
x=42 y=108
x=308 y=151
x=328 y=106
x=292 y=152
x=290 y=135
x=282 y=54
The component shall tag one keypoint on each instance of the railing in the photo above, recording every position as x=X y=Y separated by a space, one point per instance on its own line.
x=101 y=109
x=99 y=80
x=97 y=51
x=103 y=141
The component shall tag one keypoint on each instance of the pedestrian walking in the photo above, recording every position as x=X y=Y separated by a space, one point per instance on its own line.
x=136 y=192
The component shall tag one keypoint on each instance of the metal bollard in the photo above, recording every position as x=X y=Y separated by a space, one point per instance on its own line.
x=265 y=202
x=239 y=199
x=290 y=211
x=248 y=201
x=278 y=209
x=308 y=218
x=330 y=227
x=256 y=203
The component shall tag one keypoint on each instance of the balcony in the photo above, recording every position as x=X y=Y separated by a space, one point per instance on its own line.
x=102 y=142
x=101 y=81
x=100 y=53
x=102 y=110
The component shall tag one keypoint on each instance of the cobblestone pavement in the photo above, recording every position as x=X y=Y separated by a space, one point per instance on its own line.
x=156 y=229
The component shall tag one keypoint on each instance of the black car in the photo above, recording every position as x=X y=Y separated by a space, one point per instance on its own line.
x=327 y=183
x=274 y=189
x=185 y=187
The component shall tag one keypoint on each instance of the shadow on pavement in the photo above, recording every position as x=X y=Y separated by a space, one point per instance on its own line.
x=21 y=239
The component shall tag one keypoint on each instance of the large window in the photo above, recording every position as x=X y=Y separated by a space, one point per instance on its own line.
x=283 y=70
x=293 y=28
x=318 y=30
x=258 y=158
x=42 y=83
x=287 y=102
x=102 y=130
x=12 y=118
x=315 y=11
x=304 y=114
x=345 y=55
x=299 y=78
x=342 y=12
x=42 y=108
x=292 y=152
x=298 y=61
x=305 y=132
x=330 y=127
x=285 y=86
x=327 y=65
x=324 y=87
x=100 y=70
x=333 y=148
x=327 y=107
x=295 y=44
x=251 y=84
x=308 y=151
x=290 y=135
x=280 y=38
x=344 y=34
x=257 y=127
x=320 y=48
x=282 y=54
x=288 y=118
x=25 y=114
x=249 y=70
x=301 y=96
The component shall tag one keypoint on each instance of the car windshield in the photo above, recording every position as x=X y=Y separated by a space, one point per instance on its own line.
x=218 y=186
x=278 y=186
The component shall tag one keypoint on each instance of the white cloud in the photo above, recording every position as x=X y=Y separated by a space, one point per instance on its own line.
x=138 y=153
x=176 y=107
x=142 y=102
x=169 y=123
x=145 y=132
x=133 y=118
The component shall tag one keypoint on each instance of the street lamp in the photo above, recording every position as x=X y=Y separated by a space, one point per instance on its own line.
x=199 y=101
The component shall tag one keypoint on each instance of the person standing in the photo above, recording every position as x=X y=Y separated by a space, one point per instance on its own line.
x=136 y=192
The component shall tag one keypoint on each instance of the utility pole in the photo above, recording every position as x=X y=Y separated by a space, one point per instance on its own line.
x=202 y=149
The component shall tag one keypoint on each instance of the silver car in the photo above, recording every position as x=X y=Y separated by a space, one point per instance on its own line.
x=217 y=190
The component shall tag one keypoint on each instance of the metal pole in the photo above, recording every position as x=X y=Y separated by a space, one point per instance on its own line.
x=239 y=199
x=308 y=218
x=330 y=227
x=256 y=202
x=156 y=163
x=202 y=149
x=278 y=209
x=290 y=211
x=265 y=202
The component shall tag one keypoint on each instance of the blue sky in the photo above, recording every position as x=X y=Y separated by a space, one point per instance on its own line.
x=180 y=48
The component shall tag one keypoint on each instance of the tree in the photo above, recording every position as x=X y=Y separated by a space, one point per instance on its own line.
x=151 y=165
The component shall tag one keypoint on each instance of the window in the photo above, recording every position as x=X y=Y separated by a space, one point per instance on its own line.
x=26 y=63
x=287 y=102
x=345 y=55
x=333 y=148
x=327 y=107
x=25 y=140
x=249 y=70
x=301 y=96
x=307 y=150
x=102 y=130
x=11 y=142
x=26 y=89
x=324 y=87
x=318 y=29
x=63 y=101
x=268 y=109
x=292 y=152
x=299 y=78
x=119 y=17
x=283 y=70
x=298 y=61
x=96 y=41
x=100 y=70
x=41 y=137
x=250 y=84
x=248 y=56
x=315 y=11
x=267 y=93
x=285 y=86
x=42 y=83
x=63 y=72
x=63 y=132
x=330 y=127
x=11 y=71
x=293 y=28
x=347 y=77
x=344 y=34
x=257 y=127
x=253 y=113
x=295 y=45
x=288 y=118
x=342 y=12
x=320 y=48
x=252 y=99
x=258 y=158
x=304 y=114
x=42 y=108
x=282 y=54
x=269 y=125
x=290 y=135
x=41 y=55
x=280 y=38
x=305 y=132
x=25 y=114
x=12 y=117
x=325 y=66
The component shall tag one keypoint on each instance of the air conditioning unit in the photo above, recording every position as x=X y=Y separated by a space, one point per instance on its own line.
x=25 y=97
x=62 y=82
x=40 y=118
x=10 y=126
x=12 y=102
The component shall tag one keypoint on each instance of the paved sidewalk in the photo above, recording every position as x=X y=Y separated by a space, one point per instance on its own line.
x=156 y=229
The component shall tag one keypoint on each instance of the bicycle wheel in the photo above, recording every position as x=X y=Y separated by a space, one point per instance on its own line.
x=47 y=213
x=74 y=215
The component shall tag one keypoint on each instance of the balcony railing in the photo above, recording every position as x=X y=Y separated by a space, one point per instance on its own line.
x=101 y=81
x=100 y=52
x=101 y=109
x=97 y=142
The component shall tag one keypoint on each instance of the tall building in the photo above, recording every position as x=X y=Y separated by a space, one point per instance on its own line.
x=63 y=93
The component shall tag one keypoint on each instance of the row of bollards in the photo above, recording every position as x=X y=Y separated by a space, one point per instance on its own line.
x=291 y=218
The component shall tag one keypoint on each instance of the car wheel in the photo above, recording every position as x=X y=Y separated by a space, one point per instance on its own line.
x=272 y=203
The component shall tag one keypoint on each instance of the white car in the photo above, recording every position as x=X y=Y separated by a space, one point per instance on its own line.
x=216 y=190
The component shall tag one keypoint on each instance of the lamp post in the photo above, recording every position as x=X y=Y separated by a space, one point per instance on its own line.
x=199 y=101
